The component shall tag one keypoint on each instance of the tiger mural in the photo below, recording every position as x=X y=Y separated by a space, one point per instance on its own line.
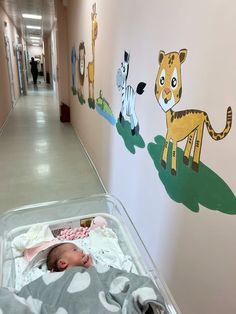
x=182 y=124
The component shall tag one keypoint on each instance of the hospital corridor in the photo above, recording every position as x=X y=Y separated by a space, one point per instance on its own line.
x=117 y=155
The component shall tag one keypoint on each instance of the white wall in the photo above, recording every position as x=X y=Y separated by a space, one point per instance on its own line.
x=196 y=252
x=34 y=51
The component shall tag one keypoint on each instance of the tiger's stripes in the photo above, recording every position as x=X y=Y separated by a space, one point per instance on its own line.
x=219 y=136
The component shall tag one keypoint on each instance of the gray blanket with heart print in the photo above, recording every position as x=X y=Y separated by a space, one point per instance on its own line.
x=84 y=291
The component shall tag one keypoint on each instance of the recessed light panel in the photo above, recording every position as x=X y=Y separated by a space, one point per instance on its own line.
x=33 y=27
x=32 y=16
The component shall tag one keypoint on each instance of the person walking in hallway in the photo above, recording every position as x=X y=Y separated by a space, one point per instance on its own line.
x=34 y=70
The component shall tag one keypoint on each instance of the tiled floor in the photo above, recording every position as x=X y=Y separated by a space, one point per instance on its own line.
x=41 y=159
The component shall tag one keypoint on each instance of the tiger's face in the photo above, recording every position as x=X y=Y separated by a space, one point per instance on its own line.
x=168 y=86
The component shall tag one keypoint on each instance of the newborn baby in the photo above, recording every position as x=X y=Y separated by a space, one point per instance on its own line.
x=67 y=255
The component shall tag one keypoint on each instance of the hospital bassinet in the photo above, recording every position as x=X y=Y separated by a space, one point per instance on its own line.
x=70 y=213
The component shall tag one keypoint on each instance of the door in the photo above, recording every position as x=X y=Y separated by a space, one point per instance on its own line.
x=20 y=68
x=10 y=72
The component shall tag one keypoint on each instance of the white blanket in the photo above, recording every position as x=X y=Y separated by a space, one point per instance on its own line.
x=35 y=236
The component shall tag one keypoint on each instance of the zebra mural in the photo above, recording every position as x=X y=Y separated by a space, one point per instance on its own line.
x=128 y=95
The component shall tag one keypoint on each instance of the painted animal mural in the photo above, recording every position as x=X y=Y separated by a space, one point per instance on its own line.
x=182 y=124
x=128 y=95
x=73 y=71
x=81 y=72
x=91 y=65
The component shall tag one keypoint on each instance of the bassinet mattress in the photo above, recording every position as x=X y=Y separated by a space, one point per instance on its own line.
x=71 y=213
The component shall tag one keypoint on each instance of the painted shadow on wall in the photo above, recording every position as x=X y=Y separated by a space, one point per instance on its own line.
x=130 y=140
x=191 y=188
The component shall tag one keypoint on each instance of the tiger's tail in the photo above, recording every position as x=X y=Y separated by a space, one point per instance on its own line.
x=219 y=136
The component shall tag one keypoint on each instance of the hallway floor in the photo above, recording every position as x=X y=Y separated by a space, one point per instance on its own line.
x=41 y=158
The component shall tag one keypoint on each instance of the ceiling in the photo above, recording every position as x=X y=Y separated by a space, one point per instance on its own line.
x=15 y=8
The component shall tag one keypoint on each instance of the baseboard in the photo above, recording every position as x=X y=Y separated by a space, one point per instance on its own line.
x=90 y=160
x=5 y=122
x=8 y=116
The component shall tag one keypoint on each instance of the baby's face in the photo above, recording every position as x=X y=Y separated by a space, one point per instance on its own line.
x=75 y=256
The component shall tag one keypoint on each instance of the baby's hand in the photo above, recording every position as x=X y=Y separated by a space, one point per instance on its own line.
x=87 y=260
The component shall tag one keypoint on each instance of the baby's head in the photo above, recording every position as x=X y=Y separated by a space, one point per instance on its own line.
x=67 y=255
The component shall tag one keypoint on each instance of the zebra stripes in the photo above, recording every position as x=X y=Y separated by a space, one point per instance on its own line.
x=128 y=95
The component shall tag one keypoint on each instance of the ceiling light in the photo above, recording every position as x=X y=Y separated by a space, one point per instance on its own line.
x=34 y=37
x=32 y=16
x=35 y=40
x=33 y=27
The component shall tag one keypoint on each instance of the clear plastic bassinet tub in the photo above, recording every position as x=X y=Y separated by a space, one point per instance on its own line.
x=70 y=213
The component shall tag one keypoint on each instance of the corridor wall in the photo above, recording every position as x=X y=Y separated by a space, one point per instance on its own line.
x=184 y=212
x=7 y=28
